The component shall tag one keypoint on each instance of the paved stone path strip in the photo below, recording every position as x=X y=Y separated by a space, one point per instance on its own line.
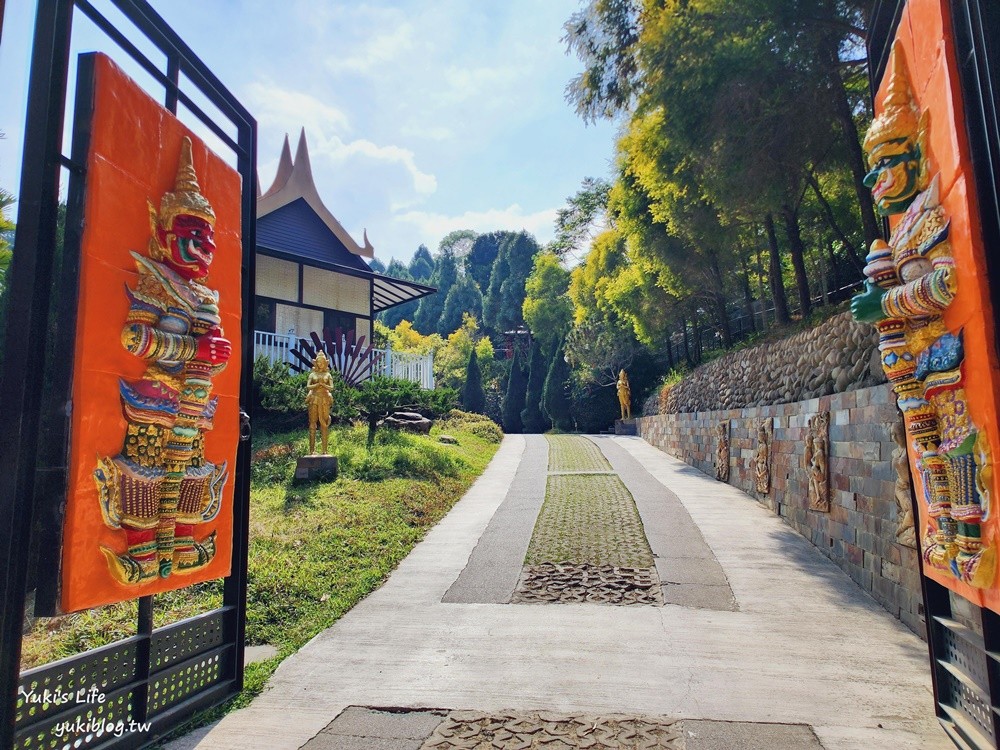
x=588 y=545
x=745 y=735
x=688 y=569
x=573 y=453
x=589 y=518
x=512 y=730
x=494 y=567
x=569 y=583
x=360 y=728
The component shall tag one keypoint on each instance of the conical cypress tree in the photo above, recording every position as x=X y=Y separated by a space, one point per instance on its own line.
x=532 y=417
x=555 y=396
x=473 y=394
x=513 y=399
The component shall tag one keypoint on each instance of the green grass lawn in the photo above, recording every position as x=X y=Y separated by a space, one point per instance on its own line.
x=316 y=549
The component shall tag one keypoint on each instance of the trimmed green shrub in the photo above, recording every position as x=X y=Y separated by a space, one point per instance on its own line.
x=434 y=403
x=275 y=389
x=555 y=397
x=513 y=400
x=487 y=431
x=533 y=418
x=473 y=395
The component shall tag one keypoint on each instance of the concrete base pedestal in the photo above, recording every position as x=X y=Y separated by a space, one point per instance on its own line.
x=625 y=427
x=316 y=468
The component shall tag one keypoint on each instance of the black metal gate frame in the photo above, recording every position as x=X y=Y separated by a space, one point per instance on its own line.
x=157 y=677
x=964 y=650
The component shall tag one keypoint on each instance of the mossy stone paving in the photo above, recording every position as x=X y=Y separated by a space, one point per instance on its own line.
x=588 y=544
x=569 y=583
x=589 y=519
x=510 y=730
x=575 y=453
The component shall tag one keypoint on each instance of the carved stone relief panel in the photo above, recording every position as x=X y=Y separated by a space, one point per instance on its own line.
x=905 y=532
x=762 y=459
x=722 y=451
x=816 y=460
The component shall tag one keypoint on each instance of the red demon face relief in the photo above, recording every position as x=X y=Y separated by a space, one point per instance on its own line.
x=191 y=244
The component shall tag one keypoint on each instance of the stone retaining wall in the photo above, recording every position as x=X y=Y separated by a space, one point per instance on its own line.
x=836 y=356
x=859 y=531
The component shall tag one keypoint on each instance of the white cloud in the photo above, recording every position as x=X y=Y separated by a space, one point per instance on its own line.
x=288 y=110
x=513 y=218
x=284 y=110
x=428 y=132
x=423 y=183
x=371 y=56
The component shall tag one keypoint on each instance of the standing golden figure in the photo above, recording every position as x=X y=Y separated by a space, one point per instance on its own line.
x=624 y=395
x=319 y=400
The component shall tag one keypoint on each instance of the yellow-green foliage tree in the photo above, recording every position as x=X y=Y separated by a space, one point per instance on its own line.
x=547 y=308
x=451 y=360
x=405 y=338
x=739 y=140
x=6 y=227
x=451 y=354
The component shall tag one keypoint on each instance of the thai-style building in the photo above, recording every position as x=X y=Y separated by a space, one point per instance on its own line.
x=312 y=275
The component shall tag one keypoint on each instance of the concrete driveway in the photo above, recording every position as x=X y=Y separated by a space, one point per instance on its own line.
x=765 y=638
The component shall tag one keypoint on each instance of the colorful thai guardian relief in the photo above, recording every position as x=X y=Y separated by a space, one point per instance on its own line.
x=911 y=282
x=160 y=490
x=154 y=423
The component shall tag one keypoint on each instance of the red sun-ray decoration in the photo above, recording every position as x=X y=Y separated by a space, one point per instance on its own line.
x=352 y=359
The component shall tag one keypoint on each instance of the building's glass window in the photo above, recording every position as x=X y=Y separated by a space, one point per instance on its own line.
x=334 y=319
x=263 y=316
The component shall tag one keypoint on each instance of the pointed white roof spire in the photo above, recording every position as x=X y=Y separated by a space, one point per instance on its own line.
x=294 y=180
x=302 y=165
x=284 y=169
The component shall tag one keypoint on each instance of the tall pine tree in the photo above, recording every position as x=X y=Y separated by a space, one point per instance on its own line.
x=473 y=394
x=533 y=419
x=422 y=264
x=463 y=297
x=504 y=298
x=555 y=397
x=444 y=277
x=513 y=399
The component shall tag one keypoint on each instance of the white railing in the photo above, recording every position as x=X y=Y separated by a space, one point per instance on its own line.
x=416 y=367
x=277 y=347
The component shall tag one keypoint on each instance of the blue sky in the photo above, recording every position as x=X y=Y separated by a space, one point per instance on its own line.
x=421 y=116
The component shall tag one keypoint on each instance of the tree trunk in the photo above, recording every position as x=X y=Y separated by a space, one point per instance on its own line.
x=781 y=316
x=761 y=294
x=855 y=156
x=852 y=252
x=696 y=332
x=798 y=252
x=719 y=303
x=687 y=344
x=747 y=295
x=722 y=318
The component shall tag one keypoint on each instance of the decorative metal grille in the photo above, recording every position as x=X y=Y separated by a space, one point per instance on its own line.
x=127 y=694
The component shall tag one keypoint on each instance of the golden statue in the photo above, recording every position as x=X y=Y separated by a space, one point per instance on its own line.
x=910 y=283
x=624 y=395
x=160 y=490
x=319 y=400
